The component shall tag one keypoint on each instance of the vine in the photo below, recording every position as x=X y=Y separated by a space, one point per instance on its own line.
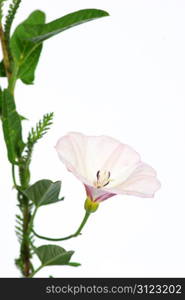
x=21 y=53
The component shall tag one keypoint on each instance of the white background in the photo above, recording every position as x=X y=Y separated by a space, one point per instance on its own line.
x=122 y=76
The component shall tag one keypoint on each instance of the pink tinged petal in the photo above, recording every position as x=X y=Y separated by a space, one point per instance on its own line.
x=89 y=191
x=121 y=161
x=85 y=156
x=108 y=154
x=71 y=150
x=104 y=196
x=142 y=182
x=97 y=195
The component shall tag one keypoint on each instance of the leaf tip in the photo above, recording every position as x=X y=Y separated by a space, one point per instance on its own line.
x=106 y=14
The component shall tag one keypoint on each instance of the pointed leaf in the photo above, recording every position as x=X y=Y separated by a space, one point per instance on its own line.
x=52 y=255
x=12 y=128
x=74 y=264
x=26 y=55
x=26 y=42
x=27 y=70
x=22 y=118
x=44 y=192
x=73 y=19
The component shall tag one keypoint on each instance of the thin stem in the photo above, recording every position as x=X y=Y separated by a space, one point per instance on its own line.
x=87 y=214
x=32 y=220
x=53 y=239
x=12 y=80
x=14 y=179
x=78 y=232
x=36 y=271
x=13 y=175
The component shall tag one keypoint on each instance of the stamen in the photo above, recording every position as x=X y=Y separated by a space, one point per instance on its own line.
x=98 y=175
x=106 y=183
x=103 y=178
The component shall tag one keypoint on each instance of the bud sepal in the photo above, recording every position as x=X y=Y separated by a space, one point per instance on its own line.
x=91 y=206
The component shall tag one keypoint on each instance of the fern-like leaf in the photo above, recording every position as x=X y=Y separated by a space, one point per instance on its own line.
x=10 y=17
x=37 y=133
x=41 y=128
x=19 y=227
x=1 y=8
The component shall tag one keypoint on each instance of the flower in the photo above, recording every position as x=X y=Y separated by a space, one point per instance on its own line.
x=106 y=167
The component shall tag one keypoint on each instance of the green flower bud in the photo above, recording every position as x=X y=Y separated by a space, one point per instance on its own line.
x=91 y=206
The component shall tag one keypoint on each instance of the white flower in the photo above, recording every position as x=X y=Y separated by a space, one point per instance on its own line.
x=106 y=167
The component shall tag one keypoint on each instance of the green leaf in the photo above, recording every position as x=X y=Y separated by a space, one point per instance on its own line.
x=27 y=70
x=25 y=54
x=41 y=129
x=26 y=42
x=36 y=134
x=52 y=255
x=73 y=19
x=44 y=192
x=22 y=118
x=12 y=128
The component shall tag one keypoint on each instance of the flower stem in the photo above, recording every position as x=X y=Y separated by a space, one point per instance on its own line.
x=36 y=271
x=87 y=214
x=78 y=232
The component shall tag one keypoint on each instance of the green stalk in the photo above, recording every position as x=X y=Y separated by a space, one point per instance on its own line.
x=78 y=232
x=26 y=210
x=13 y=79
x=36 y=271
x=25 y=245
x=24 y=261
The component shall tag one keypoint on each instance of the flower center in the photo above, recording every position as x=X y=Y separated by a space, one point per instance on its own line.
x=103 y=179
